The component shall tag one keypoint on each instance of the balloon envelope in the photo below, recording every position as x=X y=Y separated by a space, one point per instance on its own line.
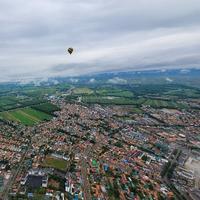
x=70 y=50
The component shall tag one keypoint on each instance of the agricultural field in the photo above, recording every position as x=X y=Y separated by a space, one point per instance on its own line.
x=26 y=116
x=136 y=110
x=111 y=100
x=39 y=91
x=7 y=101
x=19 y=107
x=84 y=90
x=157 y=103
x=114 y=92
x=56 y=163
x=13 y=102
x=46 y=108
x=184 y=93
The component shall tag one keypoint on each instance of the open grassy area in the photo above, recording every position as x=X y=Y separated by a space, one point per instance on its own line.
x=136 y=110
x=13 y=102
x=157 y=103
x=9 y=101
x=114 y=92
x=112 y=100
x=56 y=163
x=4 y=102
x=39 y=91
x=83 y=90
x=184 y=93
x=26 y=116
x=46 y=107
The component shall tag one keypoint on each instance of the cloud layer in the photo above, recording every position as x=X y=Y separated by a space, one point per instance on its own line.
x=106 y=35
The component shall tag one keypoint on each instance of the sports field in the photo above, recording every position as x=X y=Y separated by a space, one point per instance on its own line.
x=56 y=163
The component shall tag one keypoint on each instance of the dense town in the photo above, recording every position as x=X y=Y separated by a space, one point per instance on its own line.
x=99 y=100
x=102 y=152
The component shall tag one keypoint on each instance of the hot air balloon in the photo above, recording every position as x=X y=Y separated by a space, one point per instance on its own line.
x=70 y=50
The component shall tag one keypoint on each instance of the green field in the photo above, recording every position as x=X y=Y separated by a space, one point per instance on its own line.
x=56 y=163
x=26 y=116
x=13 y=102
x=83 y=90
x=184 y=93
x=39 y=91
x=27 y=106
x=157 y=103
x=114 y=92
x=46 y=107
x=136 y=110
x=112 y=100
x=4 y=102
x=7 y=101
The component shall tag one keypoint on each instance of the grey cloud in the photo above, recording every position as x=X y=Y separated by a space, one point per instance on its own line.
x=107 y=35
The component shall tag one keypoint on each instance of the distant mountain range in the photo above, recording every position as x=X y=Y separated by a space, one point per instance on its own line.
x=177 y=76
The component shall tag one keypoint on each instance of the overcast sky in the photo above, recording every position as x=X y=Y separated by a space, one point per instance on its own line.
x=107 y=35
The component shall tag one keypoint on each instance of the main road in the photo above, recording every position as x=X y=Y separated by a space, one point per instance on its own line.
x=167 y=181
x=84 y=167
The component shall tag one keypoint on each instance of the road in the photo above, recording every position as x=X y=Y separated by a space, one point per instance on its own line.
x=13 y=178
x=167 y=181
x=84 y=167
